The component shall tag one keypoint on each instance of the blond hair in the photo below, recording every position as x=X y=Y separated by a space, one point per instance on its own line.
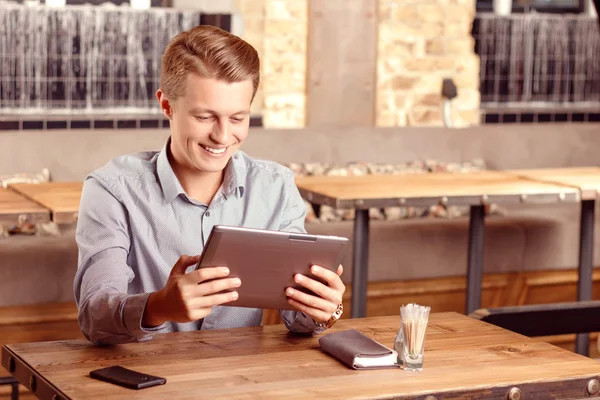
x=209 y=52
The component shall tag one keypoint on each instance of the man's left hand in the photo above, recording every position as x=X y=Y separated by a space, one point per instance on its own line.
x=329 y=297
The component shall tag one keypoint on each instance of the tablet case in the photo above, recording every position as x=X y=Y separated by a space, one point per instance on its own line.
x=350 y=345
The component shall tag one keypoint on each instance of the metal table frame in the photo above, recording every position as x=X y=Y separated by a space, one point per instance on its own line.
x=476 y=234
x=586 y=265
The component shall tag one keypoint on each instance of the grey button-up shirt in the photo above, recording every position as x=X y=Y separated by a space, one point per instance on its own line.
x=135 y=221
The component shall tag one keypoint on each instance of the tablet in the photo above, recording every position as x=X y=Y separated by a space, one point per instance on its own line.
x=266 y=261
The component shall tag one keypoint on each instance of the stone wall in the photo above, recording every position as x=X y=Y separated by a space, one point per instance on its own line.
x=420 y=43
x=278 y=31
x=253 y=15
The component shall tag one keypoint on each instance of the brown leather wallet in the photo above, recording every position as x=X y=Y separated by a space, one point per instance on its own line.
x=358 y=351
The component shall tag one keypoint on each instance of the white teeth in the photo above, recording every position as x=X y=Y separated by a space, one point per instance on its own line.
x=214 y=151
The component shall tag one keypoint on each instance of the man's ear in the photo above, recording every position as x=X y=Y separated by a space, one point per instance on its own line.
x=164 y=103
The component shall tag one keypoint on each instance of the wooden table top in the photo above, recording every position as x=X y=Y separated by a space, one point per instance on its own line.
x=14 y=207
x=61 y=198
x=464 y=358
x=586 y=179
x=466 y=188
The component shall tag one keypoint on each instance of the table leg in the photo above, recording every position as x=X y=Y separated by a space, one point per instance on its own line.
x=317 y=209
x=14 y=383
x=586 y=265
x=360 y=263
x=14 y=394
x=475 y=258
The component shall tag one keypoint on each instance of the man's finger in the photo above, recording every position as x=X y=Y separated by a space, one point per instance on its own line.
x=325 y=292
x=206 y=274
x=330 y=277
x=311 y=301
x=213 y=300
x=340 y=270
x=183 y=263
x=315 y=314
x=216 y=286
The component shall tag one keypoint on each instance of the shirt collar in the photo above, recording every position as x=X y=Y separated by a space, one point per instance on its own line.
x=168 y=180
x=233 y=182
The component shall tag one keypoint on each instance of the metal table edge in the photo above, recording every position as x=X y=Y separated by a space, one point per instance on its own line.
x=40 y=216
x=65 y=217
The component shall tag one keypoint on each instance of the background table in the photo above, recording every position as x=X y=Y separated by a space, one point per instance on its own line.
x=15 y=208
x=61 y=198
x=474 y=189
x=464 y=358
x=587 y=180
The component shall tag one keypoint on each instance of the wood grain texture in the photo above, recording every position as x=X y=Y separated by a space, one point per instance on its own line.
x=35 y=323
x=15 y=208
x=39 y=322
x=61 y=198
x=587 y=179
x=447 y=294
x=341 y=63
x=463 y=357
x=464 y=188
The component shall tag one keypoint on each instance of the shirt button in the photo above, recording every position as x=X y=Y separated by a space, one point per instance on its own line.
x=207 y=213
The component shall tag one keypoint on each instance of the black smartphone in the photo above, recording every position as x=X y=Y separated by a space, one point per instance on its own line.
x=126 y=377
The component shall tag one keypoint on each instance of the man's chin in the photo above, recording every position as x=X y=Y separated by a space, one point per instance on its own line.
x=211 y=166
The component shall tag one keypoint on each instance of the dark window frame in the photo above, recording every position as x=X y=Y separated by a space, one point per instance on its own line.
x=487 y=6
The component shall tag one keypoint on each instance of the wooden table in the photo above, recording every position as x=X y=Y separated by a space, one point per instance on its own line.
x=474 y=189
x=15 y=208
x=587 y=181
x=464 y=358
x=61 y=198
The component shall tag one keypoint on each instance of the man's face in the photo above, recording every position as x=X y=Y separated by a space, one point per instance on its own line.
x=209 y=122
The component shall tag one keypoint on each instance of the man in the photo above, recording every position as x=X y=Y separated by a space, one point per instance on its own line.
x=141 y=214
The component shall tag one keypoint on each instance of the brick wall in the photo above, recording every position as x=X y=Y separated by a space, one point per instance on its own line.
x=278 y=31
x=420 y=42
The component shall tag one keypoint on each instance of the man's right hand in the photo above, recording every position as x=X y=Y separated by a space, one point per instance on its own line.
x=189 y=297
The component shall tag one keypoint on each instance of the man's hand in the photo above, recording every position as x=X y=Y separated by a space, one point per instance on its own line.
x=320 y=308
x=189 y=297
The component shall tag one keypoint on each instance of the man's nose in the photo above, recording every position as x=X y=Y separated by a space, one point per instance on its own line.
x=221 y=132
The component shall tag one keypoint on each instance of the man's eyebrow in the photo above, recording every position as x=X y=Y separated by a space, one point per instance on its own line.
x=199 y=110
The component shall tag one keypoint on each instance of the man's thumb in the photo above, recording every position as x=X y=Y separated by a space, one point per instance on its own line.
x=183 y=263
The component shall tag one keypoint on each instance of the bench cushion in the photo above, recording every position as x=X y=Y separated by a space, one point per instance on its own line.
x=38 y=269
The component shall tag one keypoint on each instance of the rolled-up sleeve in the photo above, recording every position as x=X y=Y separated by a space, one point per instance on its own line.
x=293 y=221
x=107 y=313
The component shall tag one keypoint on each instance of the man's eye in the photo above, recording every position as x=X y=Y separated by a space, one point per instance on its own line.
x=202 y=118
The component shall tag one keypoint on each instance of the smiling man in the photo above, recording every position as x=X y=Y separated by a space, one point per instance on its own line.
x=144 y=218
